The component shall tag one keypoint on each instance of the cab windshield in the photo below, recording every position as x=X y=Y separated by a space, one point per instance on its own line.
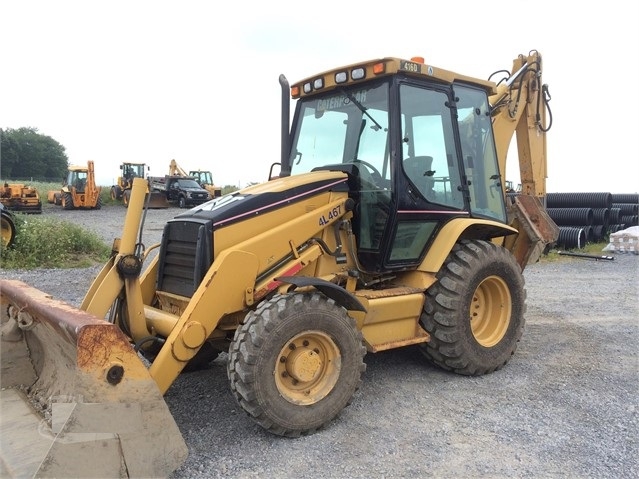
x=344 y=128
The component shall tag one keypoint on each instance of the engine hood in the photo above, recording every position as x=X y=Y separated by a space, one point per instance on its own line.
x=265 y=197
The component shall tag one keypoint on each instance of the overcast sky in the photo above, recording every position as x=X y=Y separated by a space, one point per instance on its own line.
x=151 y=81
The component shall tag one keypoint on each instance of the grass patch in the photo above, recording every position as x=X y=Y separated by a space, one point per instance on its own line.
x=43 y=242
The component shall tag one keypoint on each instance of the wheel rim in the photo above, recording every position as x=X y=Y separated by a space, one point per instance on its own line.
x=307 y=368
x=490 y=311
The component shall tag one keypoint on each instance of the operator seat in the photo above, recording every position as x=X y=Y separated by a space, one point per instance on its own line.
x=418 y=170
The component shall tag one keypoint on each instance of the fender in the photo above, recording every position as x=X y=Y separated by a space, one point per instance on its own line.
x=461 y=228
x=333 y=291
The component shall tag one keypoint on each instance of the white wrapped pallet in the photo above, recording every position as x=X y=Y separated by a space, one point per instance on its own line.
x=624 y=241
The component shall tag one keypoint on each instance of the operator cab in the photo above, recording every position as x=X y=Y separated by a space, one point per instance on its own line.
x=419 y=152
x=77 y=179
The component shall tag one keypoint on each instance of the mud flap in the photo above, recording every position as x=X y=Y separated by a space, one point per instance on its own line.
x=76 y=399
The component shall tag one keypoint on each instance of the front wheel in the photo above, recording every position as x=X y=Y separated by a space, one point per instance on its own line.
x=475 y=311
x=182 y=202
x=296 y=362
x=126 y=197
x=116 y=192
x=8 y=229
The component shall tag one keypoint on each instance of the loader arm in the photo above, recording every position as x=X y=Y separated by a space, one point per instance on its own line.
x=242 y=274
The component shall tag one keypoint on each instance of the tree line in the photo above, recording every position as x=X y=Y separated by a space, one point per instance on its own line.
x=25 y=153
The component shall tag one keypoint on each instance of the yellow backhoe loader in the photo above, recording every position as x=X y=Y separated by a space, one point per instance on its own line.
x=79 y=190
x=385 y=224
x=205 y=180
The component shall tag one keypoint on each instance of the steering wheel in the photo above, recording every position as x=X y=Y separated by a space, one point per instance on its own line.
x=375 y=175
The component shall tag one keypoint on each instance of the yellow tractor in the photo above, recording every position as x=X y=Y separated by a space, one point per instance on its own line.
x=21 y=198
x=384 y=224
x=79 y=190
x=122 y=189
x=128 y=172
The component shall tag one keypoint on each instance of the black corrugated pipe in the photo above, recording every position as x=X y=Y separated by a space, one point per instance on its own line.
x=571 y=237
x=629 y=221
x=579 y=200
x=599 y=232
x=625 y=198
x=600 y=216
x=590 y=233
x=627 y=208
x=571 y=216
x=615 y=216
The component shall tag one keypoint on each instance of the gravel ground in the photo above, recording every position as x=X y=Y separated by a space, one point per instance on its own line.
x=565 y=406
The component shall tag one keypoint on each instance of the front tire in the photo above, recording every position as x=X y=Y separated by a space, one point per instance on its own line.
x=475 y=311
x=116 y=193
x=296 y=362
x=8 y=229
x=182 y=202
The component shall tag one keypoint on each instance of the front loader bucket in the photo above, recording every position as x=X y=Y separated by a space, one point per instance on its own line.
x=157 y=200
x=75 y=398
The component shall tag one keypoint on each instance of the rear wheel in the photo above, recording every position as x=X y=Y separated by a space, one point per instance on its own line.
x=296 y=362
x=67 y=201
x=475 y=312
x=98 y=203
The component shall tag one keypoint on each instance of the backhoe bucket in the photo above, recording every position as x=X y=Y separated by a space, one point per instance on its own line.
x=76 y=400
x=537 y=230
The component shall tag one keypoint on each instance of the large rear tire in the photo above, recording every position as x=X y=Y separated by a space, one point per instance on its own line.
x=67 y=201
x=475 y=311
x=296 y=362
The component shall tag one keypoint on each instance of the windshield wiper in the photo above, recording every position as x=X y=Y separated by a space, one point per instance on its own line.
x=361 y=107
